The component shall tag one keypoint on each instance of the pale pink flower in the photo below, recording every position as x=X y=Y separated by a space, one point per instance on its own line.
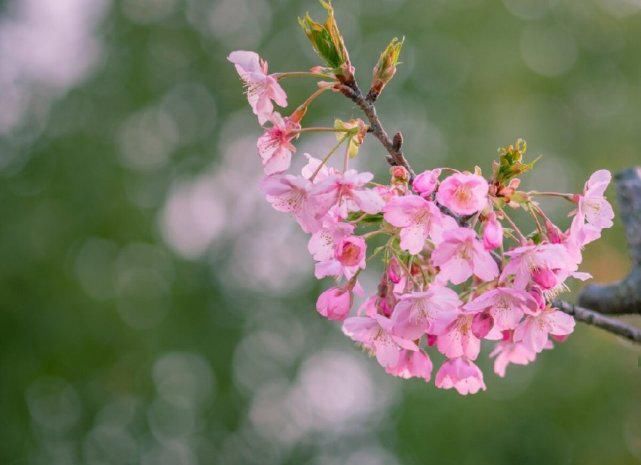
x=533 y=331
x=375 y=334
x=275 y=145
x=492 y=232
x=334 y=303
x=460 y=374
x=425 y=183
x=293 y=194
x=324 y=241
x=347 y=190
x=458 y=339
x=431 y=311
x=537 y=261
x=412 y=364
x=507 y=352
x=593 y=206
x=463 y=193
x=418 y=219
x=461 y=255
x=506 y=305
x=261 y=87
x=349 y=257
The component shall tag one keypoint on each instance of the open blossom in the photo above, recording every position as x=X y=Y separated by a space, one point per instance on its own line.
x=375 y=334
x=593 y=206
x=349 y=257
x=460 y=374
x=293 y=194
x=534 y=329
x=425 y=183
x=334 y=303
x=464 y=194
x=412 y=364
x=507 y=352
x=275 y=145
x=347 y=190
x=431 y=311
x=492 y=232
x=506 y=305
x=461 y=255
x=323 y=242
x=459 y=340
x=261 y=87
x=539 y=263
x=418 y=219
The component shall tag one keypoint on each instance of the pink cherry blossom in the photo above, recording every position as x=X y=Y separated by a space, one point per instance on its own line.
x=458 y=339
x=460 y=374
x=324 y=241
x=534 y=329
x=375 y=334
x=418 y=219
x=461 y=255
x=463 y=193
x=334 y=303
x=261 y=87
x=412 y=364
x=430 y=311
x=349 y=257
x=507 y=352
x=492 y=232
x=506 y=305
x=425 y=183
x=593 y=206
x=528 y=261
x=347 y=190
x=275 y=145
x=293 y=194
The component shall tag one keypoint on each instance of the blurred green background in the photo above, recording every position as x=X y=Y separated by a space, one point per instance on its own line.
x=155 y=310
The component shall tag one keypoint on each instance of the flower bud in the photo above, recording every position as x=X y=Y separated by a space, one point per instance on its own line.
x=492 y=232
x=385 y=68
x=555 y=235
x=482 y=323
x=334 y=304
x=537 y=295
x=394 y=272
x=544 y=277
x=425 y=183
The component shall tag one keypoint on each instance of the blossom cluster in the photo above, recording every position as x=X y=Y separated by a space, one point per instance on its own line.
x=456 y=267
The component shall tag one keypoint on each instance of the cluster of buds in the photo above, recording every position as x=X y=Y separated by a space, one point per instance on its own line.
x=456 y=269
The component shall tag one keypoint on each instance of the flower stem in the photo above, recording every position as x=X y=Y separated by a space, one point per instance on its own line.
x=280 y=76
x=321 y=129
x=327 y=157
x=563 y=195
x=513 y=224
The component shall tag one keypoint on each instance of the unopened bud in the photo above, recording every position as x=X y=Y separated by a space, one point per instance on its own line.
x=482 y=323
x=385 y=68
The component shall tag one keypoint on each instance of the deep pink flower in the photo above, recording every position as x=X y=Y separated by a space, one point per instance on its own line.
x=275 y=145
x=418 y=219
x=593 y=206
x=349 y=257
x=533 y=260
x=261 y=87
x=375 y=334
x=506 y=305
x=334 y=303
x=459 y=340
x=482 y=324
x=492 y=232
x=431 y=311
x=347 y=190
x=293 y=194
x=412 y=364
x=425 y=183
x=507 y=352
x=460 y=374
x=463 y=193
x=533 y=331
x=461 y=255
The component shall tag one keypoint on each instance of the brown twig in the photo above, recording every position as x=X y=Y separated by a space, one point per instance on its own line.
x=621 y=297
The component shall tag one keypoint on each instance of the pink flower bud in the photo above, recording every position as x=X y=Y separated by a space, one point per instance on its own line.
x=482 y=323
x=555 y=235
x=394 y=271
x=431 y=340
x=334 y=303
x=425 y=183
x=492 y=232
x=560 y=338
x=537 y=294
x=544 y=277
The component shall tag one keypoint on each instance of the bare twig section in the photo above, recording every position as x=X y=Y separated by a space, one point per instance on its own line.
x=623 y=296
x=606 y=323
x=395 y=155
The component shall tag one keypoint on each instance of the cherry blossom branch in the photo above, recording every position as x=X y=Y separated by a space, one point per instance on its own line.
x=618 y=298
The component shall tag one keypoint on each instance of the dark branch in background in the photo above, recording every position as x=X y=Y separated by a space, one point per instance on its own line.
x=617 y=298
